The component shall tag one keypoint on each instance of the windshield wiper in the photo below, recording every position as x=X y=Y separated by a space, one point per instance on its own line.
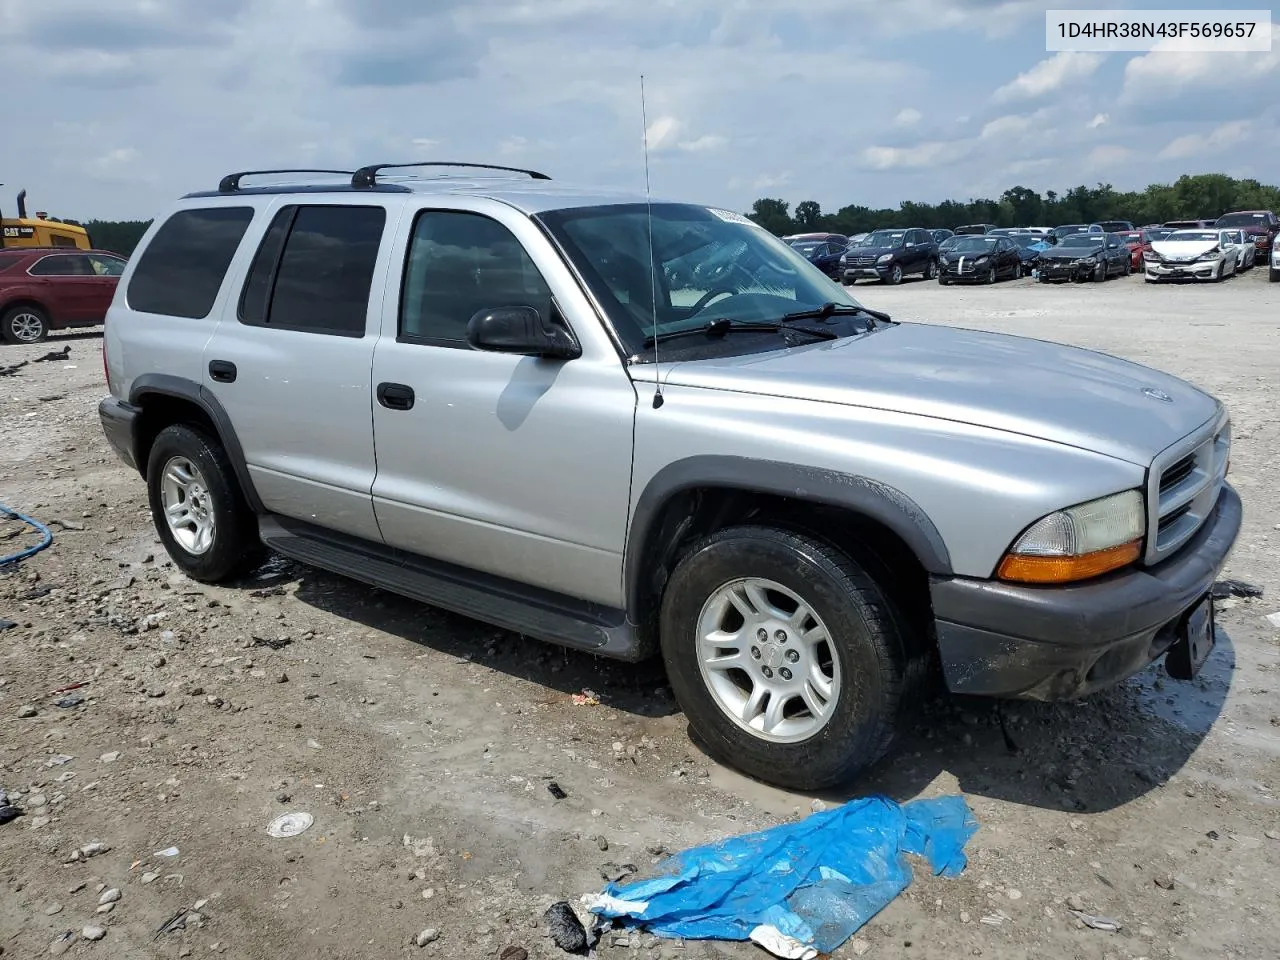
x=831 y=309
x=723 y=325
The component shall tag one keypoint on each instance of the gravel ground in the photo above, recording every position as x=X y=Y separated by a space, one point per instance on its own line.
x=423 y=743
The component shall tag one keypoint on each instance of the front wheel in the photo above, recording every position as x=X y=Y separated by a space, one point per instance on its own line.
x=1100 y=273
x=197 y=506
x=895 y=275
x=991 y=276
x=785 y=655
x=24 y=324
x=930 y=270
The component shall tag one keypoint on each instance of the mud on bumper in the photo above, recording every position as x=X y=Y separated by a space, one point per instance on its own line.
x=1058 y=643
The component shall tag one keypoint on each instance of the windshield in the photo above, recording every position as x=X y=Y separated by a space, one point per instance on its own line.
x=1192 y=236
x=886 y=238
x=1112 y=226
x=972 y=244
x=1158 y=234
x=711 y=264
x=1069 y=229
x=1082 y=240
x=1025 y=240
x=1242 y=220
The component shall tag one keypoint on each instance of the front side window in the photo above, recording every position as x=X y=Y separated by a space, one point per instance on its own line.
x=182 y=268
x=62 y=265
x=313 y=271
x=458 y=265
x=704 y=266
x=104 y=266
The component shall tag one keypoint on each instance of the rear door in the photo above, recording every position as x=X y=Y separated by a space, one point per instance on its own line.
x=67 y=285
x=515 y=466
x=107 y=271
x=290 y=361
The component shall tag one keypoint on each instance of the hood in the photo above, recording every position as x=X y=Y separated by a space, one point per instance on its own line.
x=1045 y=390
x=873 y=251
x=1070 y=253
x=1183 y=249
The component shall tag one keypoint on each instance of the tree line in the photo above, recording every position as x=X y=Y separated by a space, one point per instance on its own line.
x=1198 y=197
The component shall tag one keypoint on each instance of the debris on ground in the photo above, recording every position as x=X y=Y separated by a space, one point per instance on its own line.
x=587 y=698
x=69 y=703
x=290 y=825
x=556 y=790
x=1236 y=588
x=798 y=889
x=12 y=369
x=564 y=928
x=53 y=356
x=1093 y=922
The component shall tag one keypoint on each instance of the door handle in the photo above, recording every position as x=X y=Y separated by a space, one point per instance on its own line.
x=395 y=396
x=224 y=371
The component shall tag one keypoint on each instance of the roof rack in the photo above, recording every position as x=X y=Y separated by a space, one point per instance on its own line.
x=231 y=182
x=367 y=177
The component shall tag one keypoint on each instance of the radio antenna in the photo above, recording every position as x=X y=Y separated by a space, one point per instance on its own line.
x=653 y=265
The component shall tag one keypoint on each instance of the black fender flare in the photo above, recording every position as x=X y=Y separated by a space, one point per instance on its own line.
x=871 y=498
x=183 y=389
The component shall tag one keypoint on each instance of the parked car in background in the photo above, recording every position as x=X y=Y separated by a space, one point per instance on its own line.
x=1190 y=224
x=979 y=259
x=1112 y=226
x=823 y=254
x=1029 y=248
x=1138 y=242
x=971 y=229
x=1157 y=232
x=53 y=288
x=941 y=233
x=796 y=238
x=1261 y=226
x=1191 y=255
x=1246 y=249
x=890 y=255
x=1067 y=229
x=1085 y=256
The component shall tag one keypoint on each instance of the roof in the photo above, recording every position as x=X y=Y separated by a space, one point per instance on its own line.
x=41 y=251
x=529 y=196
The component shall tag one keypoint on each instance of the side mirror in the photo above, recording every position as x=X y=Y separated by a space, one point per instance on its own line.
x=520 y=330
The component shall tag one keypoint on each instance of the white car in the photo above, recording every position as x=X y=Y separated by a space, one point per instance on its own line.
x=1192 y=254
x=1274 y=275
x=1246 y=250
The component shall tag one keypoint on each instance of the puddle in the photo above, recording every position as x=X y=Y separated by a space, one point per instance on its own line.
x=1193 y=705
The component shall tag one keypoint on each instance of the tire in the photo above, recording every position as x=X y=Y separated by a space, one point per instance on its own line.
x=1273 y=275
x=991 y=275
x=930 y=270
x=24 y=324
x=1128 y=268
x=943 y=281
x=230 y=546
x=864 y=661
x=1221 y=274
x=895 y=275
x=1100 y=274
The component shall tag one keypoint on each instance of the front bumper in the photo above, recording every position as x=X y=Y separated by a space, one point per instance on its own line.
x=952 y=272
x=1058 y=643
x=119 y=420
x=877 y=272
x=1065 y=270
x=1182 y=271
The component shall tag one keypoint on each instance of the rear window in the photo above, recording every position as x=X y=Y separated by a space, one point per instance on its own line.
x=182 y=268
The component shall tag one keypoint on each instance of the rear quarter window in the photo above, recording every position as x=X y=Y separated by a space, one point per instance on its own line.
x=182 y=268
x=11 y=261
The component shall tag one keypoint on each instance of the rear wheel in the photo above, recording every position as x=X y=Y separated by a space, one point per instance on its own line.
x=930 y=270
x=24 y=324
x=786 y=656
x=197 y=506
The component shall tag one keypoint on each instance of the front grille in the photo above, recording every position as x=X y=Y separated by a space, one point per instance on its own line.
x=1183 y=488
x=861 y=262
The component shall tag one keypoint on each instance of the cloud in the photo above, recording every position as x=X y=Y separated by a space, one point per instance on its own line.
x=907 y=117
x=708 y=142
x=1005 y=126
x=1107 y=155
x=662 y=133
x=1168 y=71
x=768 y=181
x=1098 y=121
x=921 y=156
x=1190 y=145
x=1047 y=76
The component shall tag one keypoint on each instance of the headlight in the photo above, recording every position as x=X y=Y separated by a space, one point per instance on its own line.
x=844 y=258
x=1214 y=254
x=1080 y=542
x=1150 y=255
x=942 y=259
x=982 y=258
x=885 y=258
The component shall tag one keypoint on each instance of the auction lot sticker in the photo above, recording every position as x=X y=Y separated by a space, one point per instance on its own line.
x=1103 y=31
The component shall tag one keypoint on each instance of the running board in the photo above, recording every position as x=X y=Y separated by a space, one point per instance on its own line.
x=517 y=607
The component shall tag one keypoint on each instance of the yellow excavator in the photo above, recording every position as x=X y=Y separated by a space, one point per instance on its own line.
x=39 y=231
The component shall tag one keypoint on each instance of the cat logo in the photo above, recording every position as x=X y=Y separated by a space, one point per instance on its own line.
x=19 y=233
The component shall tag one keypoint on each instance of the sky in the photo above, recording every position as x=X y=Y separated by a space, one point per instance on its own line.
x=112 y=110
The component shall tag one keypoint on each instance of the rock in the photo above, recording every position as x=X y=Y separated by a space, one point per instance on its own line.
x=859 y=946
x=1015 y=894
x=159 y=662
x=93 y=933
x=429 y=935
x=1146 y=933
x=156 y=694
x=62 y=943
x=53 y=909
x=92 y=849
x=514 y=953
x=39 y=822
x=656 y=850
x=111 y=757
x=282 y=678
x=564 y=928
x=613 y=872
x=1075 y=902
x=26 y=713
x=964 y=916
x=184 y=952
x=37 y=800
x=1272 y=834
x=1165 y=883
x=602 y=843
x=150 y=877
x=817 y=806
x=106 y=908
x=110 y=895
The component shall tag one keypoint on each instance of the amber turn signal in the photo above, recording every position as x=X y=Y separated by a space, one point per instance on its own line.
x=1031 y=569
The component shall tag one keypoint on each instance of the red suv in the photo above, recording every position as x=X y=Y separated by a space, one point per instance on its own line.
x=1260 y=225
x=49 y=288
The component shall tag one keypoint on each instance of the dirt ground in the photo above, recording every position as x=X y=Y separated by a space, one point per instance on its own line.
x=423 y=743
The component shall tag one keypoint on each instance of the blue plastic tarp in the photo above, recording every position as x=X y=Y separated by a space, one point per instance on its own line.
x=798 y=889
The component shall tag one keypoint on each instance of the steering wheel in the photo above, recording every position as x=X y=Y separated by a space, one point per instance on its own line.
x=707 y=297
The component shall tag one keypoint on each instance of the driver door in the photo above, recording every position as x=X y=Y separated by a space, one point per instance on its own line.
x=515 y=466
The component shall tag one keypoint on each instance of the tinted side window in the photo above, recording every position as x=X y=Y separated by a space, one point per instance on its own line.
x=62 y=265
x=256 y=295
x=105 y=266
x=325 y=270
x=459 y=264
x=182 y=268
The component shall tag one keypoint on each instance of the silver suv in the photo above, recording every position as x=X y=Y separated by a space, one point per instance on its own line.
x=638 y=428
